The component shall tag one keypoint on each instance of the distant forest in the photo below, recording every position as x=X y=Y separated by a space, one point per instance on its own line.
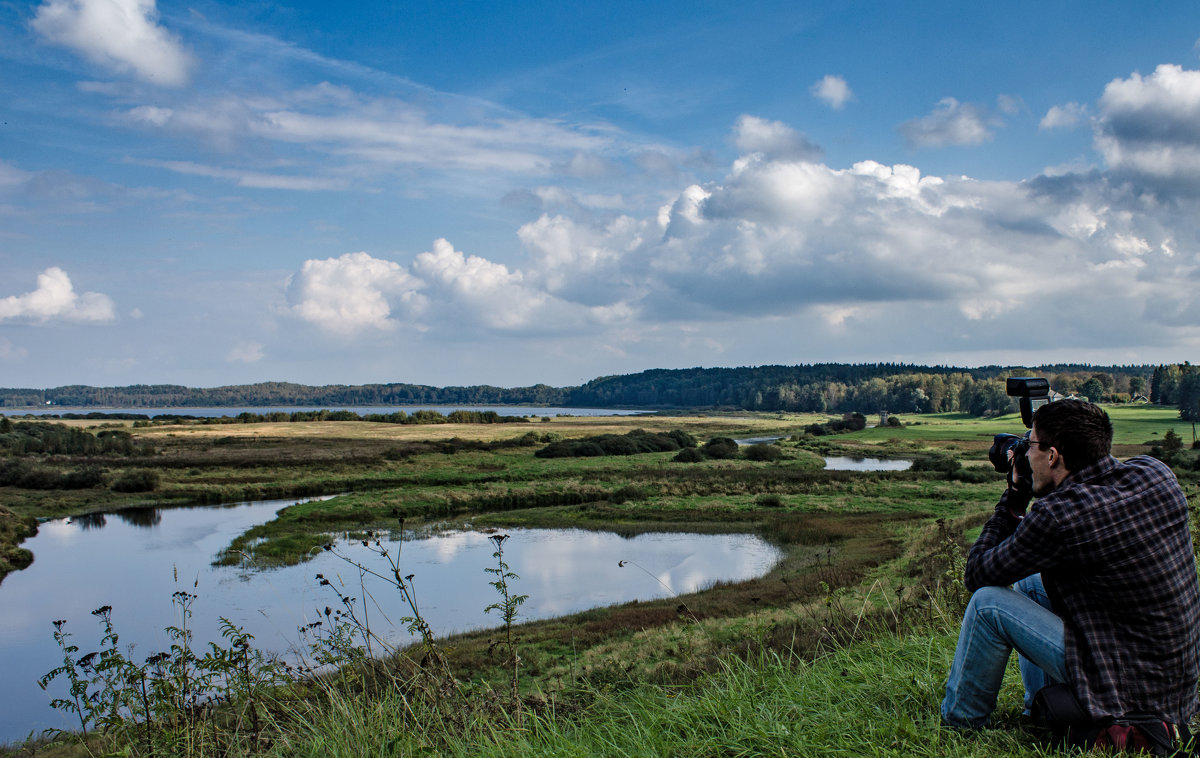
x=825 y=387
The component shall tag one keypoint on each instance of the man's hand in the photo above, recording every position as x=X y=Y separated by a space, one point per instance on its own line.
x=1020 y=489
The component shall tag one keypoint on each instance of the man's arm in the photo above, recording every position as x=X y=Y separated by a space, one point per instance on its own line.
x=1011 y=547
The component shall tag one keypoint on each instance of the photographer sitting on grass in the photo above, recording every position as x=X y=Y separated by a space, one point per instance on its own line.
x=1106 y=604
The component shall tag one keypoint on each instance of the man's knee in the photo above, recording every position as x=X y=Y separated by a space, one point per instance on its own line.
x=985 y=598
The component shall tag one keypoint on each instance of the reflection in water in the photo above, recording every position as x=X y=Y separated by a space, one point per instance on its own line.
x=91 y=521
x=135 y=563
x=144 y=517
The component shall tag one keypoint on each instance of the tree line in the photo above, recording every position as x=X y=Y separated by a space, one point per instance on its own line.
x=1177 y=384
x=820 y=388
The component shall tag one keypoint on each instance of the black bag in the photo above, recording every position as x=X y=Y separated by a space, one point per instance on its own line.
x=1056 y=708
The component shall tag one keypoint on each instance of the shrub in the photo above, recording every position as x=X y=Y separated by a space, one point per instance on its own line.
x=940 y=462
x=587 y=450
x=769 y=501
x=763 y=452
x=688 y=455
x=721 y=448
x=682 y=438
x=136 y=480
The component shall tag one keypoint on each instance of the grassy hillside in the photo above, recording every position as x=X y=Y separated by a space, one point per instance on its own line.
x=841 y=649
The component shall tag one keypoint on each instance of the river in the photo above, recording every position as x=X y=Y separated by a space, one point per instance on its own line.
x=134 y=561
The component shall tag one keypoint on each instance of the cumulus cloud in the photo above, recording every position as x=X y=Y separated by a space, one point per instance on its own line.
x=1150 y=126
x=352 y=293
x=478 y=291
x=752 y=134
x=950 y=123
x=833 y=91
x=872 y=252
x=121 y=35
x=55 y=300
x=1065 y=116
x=444 y=291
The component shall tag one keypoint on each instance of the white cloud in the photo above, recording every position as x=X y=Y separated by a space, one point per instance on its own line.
x=833 y=91
x=774 y=138
x=245 y=352
x=11 y=352
x=122 y=35
x=1009 y=105
x=11 y=176
x=484 y=292
x=372 y=135
x=873 y=253
x=252 y=179
x=950 y=123
x=1150 y=126
x=55 y=300
x=1065 y=116
x=352 y=293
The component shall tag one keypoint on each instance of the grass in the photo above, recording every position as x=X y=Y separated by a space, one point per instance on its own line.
x=841 y=649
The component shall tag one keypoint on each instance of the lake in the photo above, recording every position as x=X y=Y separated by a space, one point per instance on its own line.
x=840 y=463
x=135 y=560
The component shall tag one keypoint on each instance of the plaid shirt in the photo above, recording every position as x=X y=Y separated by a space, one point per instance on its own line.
x=1115 y=553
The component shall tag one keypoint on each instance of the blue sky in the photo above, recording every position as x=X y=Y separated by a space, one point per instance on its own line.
x=463 y=193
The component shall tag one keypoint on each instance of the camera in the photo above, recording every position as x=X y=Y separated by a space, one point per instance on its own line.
x=1034 y=392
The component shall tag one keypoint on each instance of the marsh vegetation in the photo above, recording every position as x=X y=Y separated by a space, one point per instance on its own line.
x=852 y=628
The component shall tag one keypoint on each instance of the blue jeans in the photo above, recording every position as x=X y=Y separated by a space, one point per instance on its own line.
x=999 y=620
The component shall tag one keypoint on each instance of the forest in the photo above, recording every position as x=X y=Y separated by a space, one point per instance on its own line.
x=817 y=388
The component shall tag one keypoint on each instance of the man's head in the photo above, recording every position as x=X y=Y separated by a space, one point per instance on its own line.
x=1067 y=436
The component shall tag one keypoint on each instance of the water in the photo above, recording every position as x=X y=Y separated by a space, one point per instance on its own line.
x=502 y=410
x=835 y=463
x=134 y=561
x=757 y=440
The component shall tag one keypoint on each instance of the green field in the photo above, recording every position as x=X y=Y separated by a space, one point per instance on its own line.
x=839 y=649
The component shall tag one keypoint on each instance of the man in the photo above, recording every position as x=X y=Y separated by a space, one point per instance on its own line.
x=1118 y=619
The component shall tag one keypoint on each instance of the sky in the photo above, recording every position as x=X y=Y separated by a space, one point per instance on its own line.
x=454 y=193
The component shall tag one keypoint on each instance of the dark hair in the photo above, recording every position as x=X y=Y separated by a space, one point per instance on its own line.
x=1081 y=432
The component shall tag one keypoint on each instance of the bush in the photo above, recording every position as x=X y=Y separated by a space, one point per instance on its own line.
x=769 y=501
x=632 y=443
x=682 y=438
x=939 y=462
x=688 y=455
x=136 y=480
x=763 y=452
x=721 y=448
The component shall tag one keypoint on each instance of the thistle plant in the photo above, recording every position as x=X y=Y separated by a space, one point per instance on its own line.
x=508 y=606
x=78 y=701
x=415 y=622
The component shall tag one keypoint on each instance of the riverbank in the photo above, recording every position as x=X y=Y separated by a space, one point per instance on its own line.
x=870 y=558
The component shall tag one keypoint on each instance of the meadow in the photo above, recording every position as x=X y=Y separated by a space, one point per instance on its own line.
x=841 y=648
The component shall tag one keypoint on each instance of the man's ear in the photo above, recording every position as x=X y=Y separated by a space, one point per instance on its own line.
x=1053 y=457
